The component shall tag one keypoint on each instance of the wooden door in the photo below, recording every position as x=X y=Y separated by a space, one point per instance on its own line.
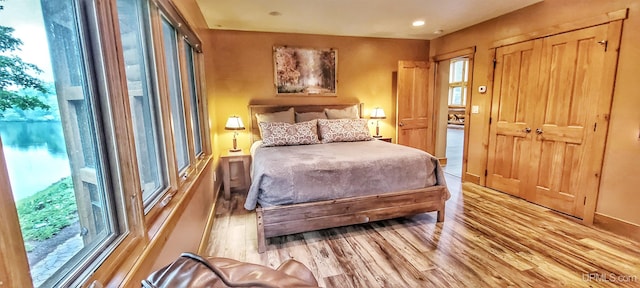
x=571 y=87
x=512 y=116
x=414 y=108
x=549 y=117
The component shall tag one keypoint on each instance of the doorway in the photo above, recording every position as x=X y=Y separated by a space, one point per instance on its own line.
x=452 y=82
x=455 y=144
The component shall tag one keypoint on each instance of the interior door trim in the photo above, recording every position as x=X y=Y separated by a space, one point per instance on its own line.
x=565 y=27
x=469 y=53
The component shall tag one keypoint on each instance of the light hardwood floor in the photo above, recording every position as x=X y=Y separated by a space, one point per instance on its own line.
x=489 y=239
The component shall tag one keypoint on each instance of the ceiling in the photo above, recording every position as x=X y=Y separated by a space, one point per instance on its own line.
x=365 y=18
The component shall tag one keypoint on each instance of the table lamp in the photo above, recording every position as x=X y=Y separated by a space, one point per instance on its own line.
x=377 y=113
x=234 y=123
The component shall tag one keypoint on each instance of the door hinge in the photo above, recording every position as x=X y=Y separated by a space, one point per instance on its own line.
x=595 y=125
x=585 y=201
x=486 y=172
x=489 y=120
x=495 y=62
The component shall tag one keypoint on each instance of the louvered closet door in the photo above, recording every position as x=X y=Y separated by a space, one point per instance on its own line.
x=512 y=116
x=571 y=87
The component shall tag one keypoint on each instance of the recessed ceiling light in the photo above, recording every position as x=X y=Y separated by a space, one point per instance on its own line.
x=275 y=13
x=438 y=32
x=418 y=23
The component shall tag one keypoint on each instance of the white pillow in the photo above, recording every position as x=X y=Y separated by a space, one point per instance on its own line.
x=346 y=113
x=343 y=130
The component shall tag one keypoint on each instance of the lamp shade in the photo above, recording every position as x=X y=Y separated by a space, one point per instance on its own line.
x=234 y=123
x=377 y=113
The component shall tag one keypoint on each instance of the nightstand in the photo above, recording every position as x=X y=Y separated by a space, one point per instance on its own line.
x=386 y=139
x=228 y=181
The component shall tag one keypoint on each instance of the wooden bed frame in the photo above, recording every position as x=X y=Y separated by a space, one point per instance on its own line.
x=298 y=218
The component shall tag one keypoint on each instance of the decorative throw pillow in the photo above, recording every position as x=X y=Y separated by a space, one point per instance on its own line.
x=283 y=116
x=346 y=113
x=343 y=130
x=284 y=134
x=308 y=116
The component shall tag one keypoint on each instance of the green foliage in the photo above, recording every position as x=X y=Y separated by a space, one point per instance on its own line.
x=15 y=74
x=45 y=213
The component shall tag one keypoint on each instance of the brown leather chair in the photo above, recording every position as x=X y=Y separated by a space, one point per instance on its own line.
x=192 y=271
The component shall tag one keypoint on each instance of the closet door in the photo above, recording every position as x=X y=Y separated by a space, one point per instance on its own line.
x=512 y=116
x=571 y=86
x=549 y=117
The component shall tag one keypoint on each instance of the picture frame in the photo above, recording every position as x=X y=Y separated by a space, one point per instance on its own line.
x=305 y=71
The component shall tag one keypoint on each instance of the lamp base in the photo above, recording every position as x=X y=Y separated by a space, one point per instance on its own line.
x=235 y=150
x=377 y=136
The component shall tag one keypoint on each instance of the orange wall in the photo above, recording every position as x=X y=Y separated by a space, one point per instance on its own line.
x=619 y=193
x=240 y=70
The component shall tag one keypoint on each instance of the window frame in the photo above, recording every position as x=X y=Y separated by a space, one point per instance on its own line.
x=139 y=229
x=458 y=84
x=179 y=115
x=193 y=98
x=151 y=81
x=165 y=10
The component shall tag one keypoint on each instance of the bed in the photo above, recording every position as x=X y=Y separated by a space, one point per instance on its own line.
x=300 y=188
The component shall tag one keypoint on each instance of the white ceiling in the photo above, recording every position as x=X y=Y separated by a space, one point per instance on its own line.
x=366 y=18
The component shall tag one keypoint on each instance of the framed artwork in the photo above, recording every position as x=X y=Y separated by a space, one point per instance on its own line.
x=305 y=71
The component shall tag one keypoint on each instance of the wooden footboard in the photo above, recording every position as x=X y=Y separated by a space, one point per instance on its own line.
x=298 y=218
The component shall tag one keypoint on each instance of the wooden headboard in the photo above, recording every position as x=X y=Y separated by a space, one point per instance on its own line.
x=260 y=109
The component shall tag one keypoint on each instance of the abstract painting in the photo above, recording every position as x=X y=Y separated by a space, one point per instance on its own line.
x=305 y=71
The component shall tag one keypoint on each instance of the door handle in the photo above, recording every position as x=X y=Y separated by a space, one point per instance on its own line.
x=527 y=130
x=400 y=124
x=539 y=131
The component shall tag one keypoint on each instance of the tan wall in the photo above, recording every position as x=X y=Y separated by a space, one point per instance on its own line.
x=240 y=70
x=619 y=192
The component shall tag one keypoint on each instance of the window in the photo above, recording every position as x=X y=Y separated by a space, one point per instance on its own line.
x=458 y=75
x=170 y=37
x=71 y=167
x=58 y=159
x=144 y=101
x=195 y=101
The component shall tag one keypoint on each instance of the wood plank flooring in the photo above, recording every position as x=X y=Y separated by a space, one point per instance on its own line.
x=489 y=239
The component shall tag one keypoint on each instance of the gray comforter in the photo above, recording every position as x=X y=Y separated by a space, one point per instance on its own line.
x=297 y=174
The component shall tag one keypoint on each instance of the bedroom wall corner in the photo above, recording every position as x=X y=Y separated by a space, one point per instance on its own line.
x=242 y=65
